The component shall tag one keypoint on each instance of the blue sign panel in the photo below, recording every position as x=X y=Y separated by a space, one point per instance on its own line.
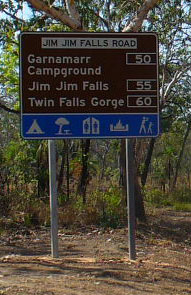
x=57 y=126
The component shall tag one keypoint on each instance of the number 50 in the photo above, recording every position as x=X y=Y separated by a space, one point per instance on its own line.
x=143 y=59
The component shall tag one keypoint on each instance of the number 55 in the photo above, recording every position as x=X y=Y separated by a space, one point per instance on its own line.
x=144 y=85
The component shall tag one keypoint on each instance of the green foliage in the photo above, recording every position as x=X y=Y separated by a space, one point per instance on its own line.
x=24 y=208
x=29 y=210
x=106 y=15
x=9 y=77
x=156 y=198
x=102 y=208
x=167 y=151
x=186 y=207
x=179 y=199
x=20 y=157
x=109 y=204
x=62 y=199
x=111 y=207
x=181 y=196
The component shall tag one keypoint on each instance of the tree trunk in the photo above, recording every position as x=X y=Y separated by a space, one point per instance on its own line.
x=67 y=171
x=123 y=178
x=188 y=178
x=169 y=174
x=180 y=155
x=82 y=185
x=61 y=172
x=147 y=161
x=139 y=202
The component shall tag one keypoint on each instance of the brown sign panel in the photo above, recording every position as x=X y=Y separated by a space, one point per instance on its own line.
x=89 y=73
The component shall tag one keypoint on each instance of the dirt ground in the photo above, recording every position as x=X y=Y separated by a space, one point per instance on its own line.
x=95 y=261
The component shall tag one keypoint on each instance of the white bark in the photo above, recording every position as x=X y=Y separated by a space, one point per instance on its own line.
x=73 y=12
x=136 y=23
x=72 y=22
x=175 y=79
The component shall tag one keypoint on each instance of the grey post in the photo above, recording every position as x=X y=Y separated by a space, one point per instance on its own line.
x=53 y=198
x=130 y=198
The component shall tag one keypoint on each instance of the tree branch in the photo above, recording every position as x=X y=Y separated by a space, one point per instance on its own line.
x=105 y=22
x=13 y=16
x=175 y=79
x=73 y=12
x=2 y=106
x=54 y=13
x=136 y=23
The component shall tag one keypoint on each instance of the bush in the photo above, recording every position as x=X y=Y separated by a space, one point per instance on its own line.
x=181 y=196
x=102 y=208
x=179 y=199
x=156 y=198
x=182 y=207
x=108 y=202
x=26 y=208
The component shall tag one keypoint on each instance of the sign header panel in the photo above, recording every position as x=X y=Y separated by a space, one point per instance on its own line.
x=89 y=76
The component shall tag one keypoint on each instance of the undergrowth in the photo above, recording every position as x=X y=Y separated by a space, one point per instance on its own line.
x=101 y=208
x=105 y=208
x=179 y=199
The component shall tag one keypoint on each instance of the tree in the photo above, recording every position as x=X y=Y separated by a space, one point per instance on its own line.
x=83 y=181
x=171 y=21
x=181 y=154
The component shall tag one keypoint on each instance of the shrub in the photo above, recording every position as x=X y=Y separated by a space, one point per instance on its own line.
x=179 y=199
x=181 y=196
x=182 y=207
x=102 y=208
x=109 y=206
x=156 y=197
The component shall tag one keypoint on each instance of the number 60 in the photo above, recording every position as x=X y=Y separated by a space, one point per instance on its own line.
x=144 y=101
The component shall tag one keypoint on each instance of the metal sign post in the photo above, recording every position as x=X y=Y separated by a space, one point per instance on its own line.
x=130 y=198
x=53 y=198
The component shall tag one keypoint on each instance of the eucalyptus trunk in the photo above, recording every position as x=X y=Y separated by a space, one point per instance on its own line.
x=181 y=154
x=83 y=181
x=147 y=162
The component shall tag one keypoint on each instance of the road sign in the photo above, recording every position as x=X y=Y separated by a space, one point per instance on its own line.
x=89 y=85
